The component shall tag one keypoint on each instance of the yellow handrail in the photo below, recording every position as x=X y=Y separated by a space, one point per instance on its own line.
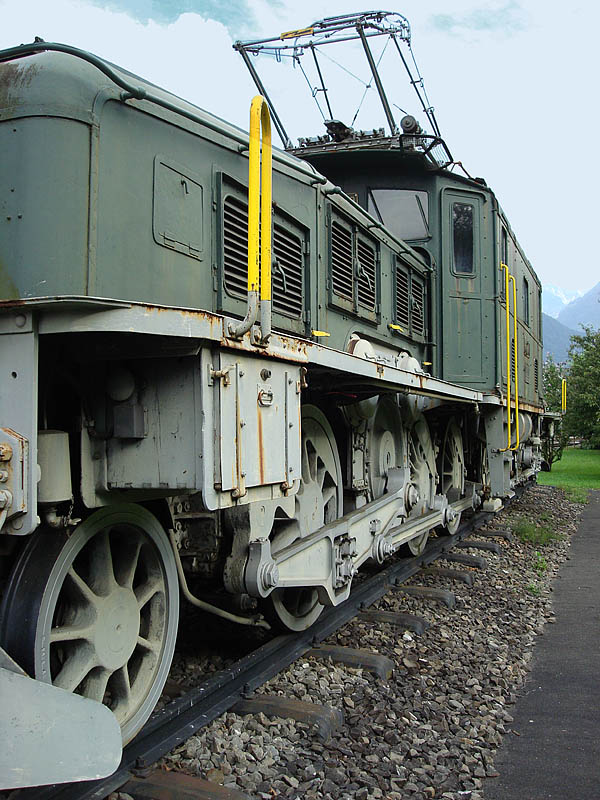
x=259 y=221
x=563 y=403
x=514 y=284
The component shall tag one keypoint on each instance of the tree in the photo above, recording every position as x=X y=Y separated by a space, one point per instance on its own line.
x=554 y=443
x=583 y=403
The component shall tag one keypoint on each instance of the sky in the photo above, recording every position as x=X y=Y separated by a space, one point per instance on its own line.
x=514 y=86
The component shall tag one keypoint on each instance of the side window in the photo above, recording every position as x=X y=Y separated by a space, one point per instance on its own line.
x=462 y=235
x=405 y=212
x=526 y=301
x=504 y=247
x=503 y=261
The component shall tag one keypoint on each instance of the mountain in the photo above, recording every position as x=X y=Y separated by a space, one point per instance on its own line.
x=555 y=298
x=583 y=310
x=556 y=338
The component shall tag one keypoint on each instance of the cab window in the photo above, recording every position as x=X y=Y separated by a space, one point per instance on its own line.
x=462 y=232
x=404 y=212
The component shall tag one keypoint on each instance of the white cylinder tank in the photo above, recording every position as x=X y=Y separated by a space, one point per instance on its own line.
x=54 y=462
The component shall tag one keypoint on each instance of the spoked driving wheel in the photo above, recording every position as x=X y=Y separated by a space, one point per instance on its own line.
x=421 y=458
x=319 y=501
x=96 y=612
x=452 y=471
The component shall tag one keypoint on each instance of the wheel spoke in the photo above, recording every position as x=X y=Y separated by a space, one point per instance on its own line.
x=101 y=563
x=148 y=644
x=126 y=570
x=84 y=590
x=120 y=688
x=329 y=493
x=71 y=633
x=147 y=590
x=95 y=684
x=79 y=663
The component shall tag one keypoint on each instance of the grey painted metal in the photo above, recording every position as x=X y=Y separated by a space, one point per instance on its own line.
x=407 y=622
x=18 y=418
x=8 y=663
x=443 y=596
x=376 y=663
x=325 y=719
x=45 y=735
x=79 y=315
x=377 y=79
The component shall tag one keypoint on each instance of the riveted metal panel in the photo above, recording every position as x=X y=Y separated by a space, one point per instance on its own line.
x=258 y=423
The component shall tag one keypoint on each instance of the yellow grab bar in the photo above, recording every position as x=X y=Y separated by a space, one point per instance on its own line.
x=514 y=285
x=260 y=193
x=508 y=358
x=563 y=403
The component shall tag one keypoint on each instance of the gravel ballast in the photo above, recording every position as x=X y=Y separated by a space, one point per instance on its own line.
x=432 y=730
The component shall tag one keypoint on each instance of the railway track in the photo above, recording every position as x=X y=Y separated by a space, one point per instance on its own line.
x=184 y=716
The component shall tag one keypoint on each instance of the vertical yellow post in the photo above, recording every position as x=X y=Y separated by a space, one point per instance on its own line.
x=259 y=222
x=508 y=358
x=563 y=404
x=265 y=222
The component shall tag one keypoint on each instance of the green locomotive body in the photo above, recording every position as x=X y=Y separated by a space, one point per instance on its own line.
x=138 y=429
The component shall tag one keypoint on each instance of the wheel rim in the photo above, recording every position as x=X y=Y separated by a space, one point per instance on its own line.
x=319 y=501
x=106 y=612
x=452 y=470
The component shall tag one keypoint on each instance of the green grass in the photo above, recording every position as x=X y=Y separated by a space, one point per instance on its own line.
x=534 y=534
x=534 y=590
x=576 y=472
x=540 y=565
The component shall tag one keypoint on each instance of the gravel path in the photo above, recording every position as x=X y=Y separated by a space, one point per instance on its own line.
x=433 y=729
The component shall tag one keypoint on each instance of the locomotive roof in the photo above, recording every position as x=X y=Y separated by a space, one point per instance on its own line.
x=46 y=78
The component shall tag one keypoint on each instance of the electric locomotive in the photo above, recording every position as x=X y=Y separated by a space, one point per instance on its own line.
x=179 y=413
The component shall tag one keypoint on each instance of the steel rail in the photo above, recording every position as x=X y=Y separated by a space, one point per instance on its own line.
x=184 y=716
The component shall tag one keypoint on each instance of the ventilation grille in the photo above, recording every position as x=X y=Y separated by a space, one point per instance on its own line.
x=367 y=262
x=512 y=358
x=402 y=297
x=235 y=246
x=342 y=271
x=288 y=260
x=418 y=307
x=536 y=376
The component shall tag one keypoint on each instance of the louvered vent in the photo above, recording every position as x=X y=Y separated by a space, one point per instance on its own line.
x=288 y=261
x=418 y=307
x=366 y=277
x=341 y=260
x=402 y=299
x=512 y=358
x=235 y=246
x=536 y=376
